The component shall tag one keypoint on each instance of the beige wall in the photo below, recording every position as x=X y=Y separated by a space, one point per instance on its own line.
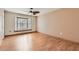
x=10 y=22
x=62 y=23
x=1 y=25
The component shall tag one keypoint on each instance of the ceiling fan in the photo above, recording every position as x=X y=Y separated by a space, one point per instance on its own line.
x=31 y=10
x=34 y=12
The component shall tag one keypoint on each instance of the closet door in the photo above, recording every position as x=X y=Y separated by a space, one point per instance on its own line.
x=1 y=25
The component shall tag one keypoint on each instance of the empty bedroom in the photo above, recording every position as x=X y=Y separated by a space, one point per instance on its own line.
x=39 y=29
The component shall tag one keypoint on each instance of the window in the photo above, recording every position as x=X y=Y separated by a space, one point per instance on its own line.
x=22 y=24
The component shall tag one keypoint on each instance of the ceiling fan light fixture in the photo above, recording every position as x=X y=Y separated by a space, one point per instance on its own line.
x=31 y=11
x=31 y=8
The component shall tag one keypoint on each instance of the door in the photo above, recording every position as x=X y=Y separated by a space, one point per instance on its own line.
x=1 y=25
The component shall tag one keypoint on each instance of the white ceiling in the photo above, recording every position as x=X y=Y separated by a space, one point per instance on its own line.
x=25 y=10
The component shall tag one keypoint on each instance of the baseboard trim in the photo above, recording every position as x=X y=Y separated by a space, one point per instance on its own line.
x=56 y=37
x=20 y=33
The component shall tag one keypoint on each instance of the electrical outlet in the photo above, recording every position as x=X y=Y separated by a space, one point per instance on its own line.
x=60 y=33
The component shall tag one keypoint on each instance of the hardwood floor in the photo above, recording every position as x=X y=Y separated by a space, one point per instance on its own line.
x=37 y=42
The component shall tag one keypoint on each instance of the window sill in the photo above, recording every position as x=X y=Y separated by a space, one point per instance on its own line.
x=22 y=30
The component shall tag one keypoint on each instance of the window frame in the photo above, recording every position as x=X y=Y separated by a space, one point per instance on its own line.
x=16 y=19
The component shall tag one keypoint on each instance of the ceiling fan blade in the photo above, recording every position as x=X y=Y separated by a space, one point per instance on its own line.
x=36 y=12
